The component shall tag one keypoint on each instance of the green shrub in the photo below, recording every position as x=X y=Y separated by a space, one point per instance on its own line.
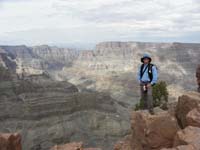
x=160 y=96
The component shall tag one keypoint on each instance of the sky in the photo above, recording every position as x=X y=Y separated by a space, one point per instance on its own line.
x=83 y=23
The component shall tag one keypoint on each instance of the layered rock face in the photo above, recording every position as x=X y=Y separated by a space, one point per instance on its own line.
x=66 y=109
x=55 y=58
x=46 y=112
x=111 y=66
x=163 y=130
x=38 y=59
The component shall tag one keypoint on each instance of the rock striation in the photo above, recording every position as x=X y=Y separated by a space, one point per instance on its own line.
x=47 y=112
x=109 y=65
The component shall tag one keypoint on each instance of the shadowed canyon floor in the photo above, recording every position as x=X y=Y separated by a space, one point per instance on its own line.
x=47 y=112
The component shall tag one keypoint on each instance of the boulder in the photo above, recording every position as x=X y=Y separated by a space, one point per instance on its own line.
x=150 y=131
x=189 y=136
x=70 y=146
x=193 y=117
x=186 y=103
x=162 y=131
x=10 y=141
x=154 y=131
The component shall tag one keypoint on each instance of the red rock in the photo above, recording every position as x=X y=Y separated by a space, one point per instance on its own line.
x=154 y=131
x=70 y=146
x=189 y=136
x=150 y=132
x=10 y=141
x=193 y=117
x=126 y=144
x=186 y=103
x=182 y=147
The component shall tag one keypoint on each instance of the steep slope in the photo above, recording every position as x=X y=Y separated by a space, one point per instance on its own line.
x=47 y=112
x=111 y=66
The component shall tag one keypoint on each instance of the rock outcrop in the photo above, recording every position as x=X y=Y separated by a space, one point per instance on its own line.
x=193 y=117
x=163 y=131
x=150 y=131
x=154 y=132
x=72 y=146
x=188 y=136
x=186 y=103
x=10 y=141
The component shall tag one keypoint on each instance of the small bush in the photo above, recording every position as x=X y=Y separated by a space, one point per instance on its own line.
x=160 y=96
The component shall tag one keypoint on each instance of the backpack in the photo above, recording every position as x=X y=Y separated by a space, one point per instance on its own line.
x=149 y=71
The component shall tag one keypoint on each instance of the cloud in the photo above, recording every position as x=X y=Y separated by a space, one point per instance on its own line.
x=168 y=13
x=96 y=20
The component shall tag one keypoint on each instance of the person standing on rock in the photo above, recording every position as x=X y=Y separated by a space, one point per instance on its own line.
x=147 y=77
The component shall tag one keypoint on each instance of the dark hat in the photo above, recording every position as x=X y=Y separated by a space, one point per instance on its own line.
x=146 y=56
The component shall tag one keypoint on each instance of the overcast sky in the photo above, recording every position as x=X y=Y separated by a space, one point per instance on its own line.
x=86 y=22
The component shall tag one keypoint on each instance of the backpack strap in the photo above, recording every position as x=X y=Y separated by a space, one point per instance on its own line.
x=141 y=70
x=150 y=72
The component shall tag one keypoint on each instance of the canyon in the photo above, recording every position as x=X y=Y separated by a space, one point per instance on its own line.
x=54 y=95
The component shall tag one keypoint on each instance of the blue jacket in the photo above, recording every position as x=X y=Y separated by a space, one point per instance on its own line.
x=145 y=77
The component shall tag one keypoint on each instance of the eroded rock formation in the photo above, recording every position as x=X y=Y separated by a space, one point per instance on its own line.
x=46 y=112
x=112 y=61
x=163 y=131
x=10 y=141
x=186 y=103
